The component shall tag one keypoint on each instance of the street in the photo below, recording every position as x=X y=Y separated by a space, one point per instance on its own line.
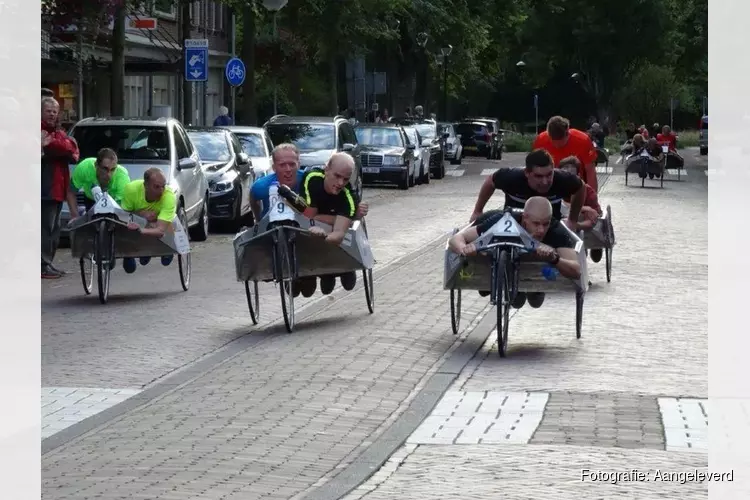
x=169 y=394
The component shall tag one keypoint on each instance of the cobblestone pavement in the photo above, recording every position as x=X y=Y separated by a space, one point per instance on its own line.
x=630 y=394
x=151 y=327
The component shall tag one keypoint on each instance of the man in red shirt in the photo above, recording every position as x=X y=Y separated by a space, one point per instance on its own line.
x=667 y=137
x=58 y=152
x=561 y=141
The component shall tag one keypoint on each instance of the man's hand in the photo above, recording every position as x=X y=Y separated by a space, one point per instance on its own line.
x=363 y=209
x=572 y=225
x=589 y=214
x=149 y=216
x=545 y=252
x=585 y=225
x=133 y=226
x=474 y=216
x=46 y=138
x=318 y=231
x=469 y=249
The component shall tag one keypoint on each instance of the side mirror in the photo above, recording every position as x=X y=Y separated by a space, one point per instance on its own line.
x=186 y=164
x=411 y=146
x=243 y=159
x=347 y=147
x=458 y=136
x=426 y=143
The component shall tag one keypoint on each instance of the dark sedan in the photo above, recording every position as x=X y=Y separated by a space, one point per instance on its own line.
x=229 y=173
x=387 y=156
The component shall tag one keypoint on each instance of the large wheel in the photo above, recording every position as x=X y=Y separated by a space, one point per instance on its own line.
x=104 y=251
x=579 y=312
x=455 y=310
x=608 y=263
x=184 y=261
x=369 y=289
x=502 y=301
x=253 y=301
x=87 y=273
x=284 y=279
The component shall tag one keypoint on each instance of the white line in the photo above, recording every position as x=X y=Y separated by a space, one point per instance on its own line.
x=488 y=171
x=685 y=424
x=674 y=171
x=604 y=170
x=456 y=173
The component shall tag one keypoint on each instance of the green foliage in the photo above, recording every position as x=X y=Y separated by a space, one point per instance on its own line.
x=647 y=93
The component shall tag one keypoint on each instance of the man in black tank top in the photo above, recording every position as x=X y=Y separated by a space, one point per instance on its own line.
x=538 y=178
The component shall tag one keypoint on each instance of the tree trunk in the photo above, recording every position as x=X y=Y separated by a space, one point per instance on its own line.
x=333 y=77
x=295 y=68
x=249 y=108
x=117 y=81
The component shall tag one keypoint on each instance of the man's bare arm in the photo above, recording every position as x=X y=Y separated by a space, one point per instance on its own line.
x=70 y=197
x=576 y=202
x=340 y=227
x=568 y=264
x=458 y=241
x=256 y=208
x=485 y=193
x=158 y=230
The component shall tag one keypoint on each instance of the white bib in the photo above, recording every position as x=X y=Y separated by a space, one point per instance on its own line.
x=278 y=209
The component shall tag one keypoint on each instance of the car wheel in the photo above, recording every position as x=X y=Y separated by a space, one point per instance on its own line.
x=239 y=220
x=425 y=174
x=404 y=182
x=199 y=232
x=500 y=154
x=704 y=151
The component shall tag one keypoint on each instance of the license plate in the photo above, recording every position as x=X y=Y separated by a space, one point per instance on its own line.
x=471 y=148
x=371 y=170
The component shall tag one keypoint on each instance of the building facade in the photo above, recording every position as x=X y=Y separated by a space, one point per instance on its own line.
x=78 y=64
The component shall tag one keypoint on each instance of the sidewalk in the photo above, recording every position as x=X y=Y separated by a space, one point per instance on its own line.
x=273 y=420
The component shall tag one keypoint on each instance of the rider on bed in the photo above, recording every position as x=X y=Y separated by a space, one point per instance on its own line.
x=332 y=201
x=556 y=244
x=153 y=200
x=101 y=171
x=591 y=210
x=539 y=178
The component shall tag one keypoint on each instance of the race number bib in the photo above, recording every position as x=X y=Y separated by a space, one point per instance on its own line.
x=181 y=241
x=507 y=227
x=665 y=148
x=104 y=205
x=278 y=209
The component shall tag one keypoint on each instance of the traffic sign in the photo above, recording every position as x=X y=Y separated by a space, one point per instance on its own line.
x=196 y=60
x=235 y=72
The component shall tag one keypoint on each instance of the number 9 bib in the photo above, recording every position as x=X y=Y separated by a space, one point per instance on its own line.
x=278 y=209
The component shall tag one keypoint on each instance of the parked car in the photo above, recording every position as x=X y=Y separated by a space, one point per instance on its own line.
x=453 y=149
x=142 y=143
x=476 y=139
x=703 y=135
x=494 y=148
x=428 y=131
x=317 y=139
x=421 y=154
x=387 y=155
x=229 y=172
x=258 y=146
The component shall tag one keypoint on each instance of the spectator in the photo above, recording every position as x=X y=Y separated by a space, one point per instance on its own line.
x=223 y=120
x=58 y=152
x=47 y=92
x=419 y=112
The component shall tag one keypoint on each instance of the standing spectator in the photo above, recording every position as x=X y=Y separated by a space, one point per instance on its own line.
x=223 y=120
x=419 y=112
x=385 y=117
x=58 y=152
x=353 y=118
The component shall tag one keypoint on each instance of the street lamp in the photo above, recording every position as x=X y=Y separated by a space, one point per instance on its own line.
x=446 y=51
x=275 y=6
x=522 y=65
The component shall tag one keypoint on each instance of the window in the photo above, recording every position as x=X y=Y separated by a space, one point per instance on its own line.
x=269 y=145
x=379 y=136
x=129 y=142
x=426 y=130
x=180 y=145
x=252 y=145
x=349 y=136
x=164 y=7
x=219 y=16
x=212 y=146
x=236 y=144
x=305 y=137
x=196 y=13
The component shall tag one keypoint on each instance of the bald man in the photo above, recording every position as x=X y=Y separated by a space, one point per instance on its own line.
x=331 y=201
x=153 y=200
x=556 y=246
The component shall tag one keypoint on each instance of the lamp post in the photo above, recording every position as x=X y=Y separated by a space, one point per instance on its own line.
x=446 y=51
x=522 y=65
x=275 y=6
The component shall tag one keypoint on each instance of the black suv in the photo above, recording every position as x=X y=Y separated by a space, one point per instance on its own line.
x=431 y=136
x=495 y=140
x=317 y=139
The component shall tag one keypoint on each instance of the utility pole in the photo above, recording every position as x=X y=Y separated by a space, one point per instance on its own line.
x=187 y=87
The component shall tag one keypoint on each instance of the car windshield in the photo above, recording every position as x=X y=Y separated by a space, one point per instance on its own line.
x=305 y=137
x=211 y=146
x=379 y=136
x=470 y=129
x=445 y=128
x=129 y=142
x=252 y=144
x=411 y=134
x=426 y=130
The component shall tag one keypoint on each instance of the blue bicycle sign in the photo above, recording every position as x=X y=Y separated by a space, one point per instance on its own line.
x=235 y=72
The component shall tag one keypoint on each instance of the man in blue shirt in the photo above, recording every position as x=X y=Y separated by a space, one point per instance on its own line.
x=286 y=171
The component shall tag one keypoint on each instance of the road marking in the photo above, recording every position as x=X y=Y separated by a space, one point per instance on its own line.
x=456 y=173
x=674 y=171
x=604 y=170
x=488 y=171
x=685 y=424
x=482 y=418
x=65 y=406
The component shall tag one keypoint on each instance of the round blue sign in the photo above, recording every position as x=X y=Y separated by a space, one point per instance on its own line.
x=235 y=72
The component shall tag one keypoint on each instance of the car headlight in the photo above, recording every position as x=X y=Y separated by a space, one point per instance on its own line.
x=392 y=160
x=221 y=186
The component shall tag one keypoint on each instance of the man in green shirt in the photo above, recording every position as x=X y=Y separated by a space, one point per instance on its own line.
x=102 y=171
x=153 y=200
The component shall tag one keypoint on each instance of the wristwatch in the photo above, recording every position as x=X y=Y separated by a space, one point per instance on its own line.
x=556 y=259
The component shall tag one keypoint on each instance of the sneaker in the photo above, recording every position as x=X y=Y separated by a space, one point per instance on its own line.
x=327 y=284
x=128 y=263
x=144 y=260
x=308 y=285
x=166 y=260
x=535 y=299
x=650 y=176
x=596 y=255
x=56 y=270
x=519 y=301
x=50 y=274
x=348 y=280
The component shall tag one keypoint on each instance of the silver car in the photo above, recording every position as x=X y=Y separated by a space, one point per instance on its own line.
x=142 y=143
x=257 y=145
x=421 y=154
